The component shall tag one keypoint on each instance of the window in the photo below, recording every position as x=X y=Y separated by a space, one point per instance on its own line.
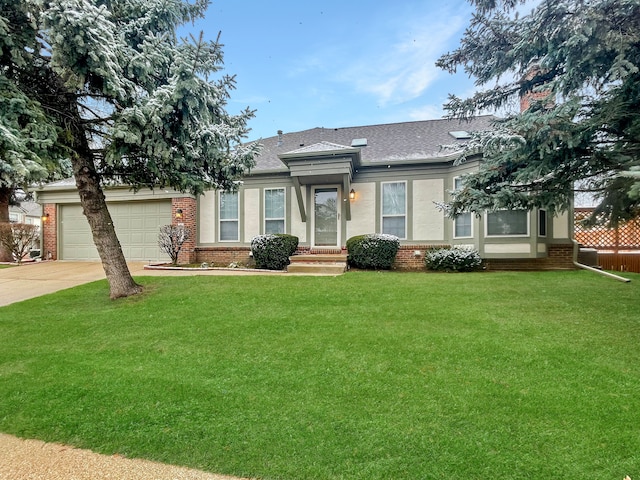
x=394 y=208
x=274 y=210
x=13 y=218
x=461 y=224
x=229 y=222
x=542 y=223
x=507 y=223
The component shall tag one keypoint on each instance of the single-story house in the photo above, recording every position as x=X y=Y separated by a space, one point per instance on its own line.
x=324 y=185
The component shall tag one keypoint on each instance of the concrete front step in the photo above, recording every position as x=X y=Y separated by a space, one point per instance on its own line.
x=319 y=258
x=320 y=264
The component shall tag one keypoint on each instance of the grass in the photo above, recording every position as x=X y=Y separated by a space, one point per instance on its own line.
x=363 y=376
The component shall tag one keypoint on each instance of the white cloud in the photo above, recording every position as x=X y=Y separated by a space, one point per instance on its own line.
x=403 y=69
x=426 y=112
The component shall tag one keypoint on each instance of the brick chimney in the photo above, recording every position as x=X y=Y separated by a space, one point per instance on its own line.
x=527 y=95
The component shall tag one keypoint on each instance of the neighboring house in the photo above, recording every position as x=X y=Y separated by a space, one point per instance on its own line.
x=324 y=186
x=29 y=213
x=26 y=212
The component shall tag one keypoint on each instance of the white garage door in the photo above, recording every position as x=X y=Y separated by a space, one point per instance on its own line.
x=137 y=225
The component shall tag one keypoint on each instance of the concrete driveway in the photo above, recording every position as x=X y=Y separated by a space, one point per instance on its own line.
x=32 y=280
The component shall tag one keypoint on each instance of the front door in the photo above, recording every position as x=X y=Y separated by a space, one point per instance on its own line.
x=326 y=217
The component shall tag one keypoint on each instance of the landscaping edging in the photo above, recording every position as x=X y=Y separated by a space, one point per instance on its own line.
x=224 y=269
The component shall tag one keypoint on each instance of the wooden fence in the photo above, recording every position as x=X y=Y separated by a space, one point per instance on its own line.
x=618 y=248
x=620 y=262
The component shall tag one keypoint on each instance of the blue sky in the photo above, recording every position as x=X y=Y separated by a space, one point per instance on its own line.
x=338 y=63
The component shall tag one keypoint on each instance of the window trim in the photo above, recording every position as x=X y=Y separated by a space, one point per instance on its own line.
x=404 y=215
x=220 y=219
x=506 y=235
x=284 y=209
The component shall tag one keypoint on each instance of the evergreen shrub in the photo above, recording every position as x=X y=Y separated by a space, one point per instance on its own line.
x=270 y=251
x=454 y=259
x=290 y=241
x=373 y=251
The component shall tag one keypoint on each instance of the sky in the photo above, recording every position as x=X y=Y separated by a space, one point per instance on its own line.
x=337 y=63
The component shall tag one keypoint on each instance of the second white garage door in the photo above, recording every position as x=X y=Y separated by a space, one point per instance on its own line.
x=137 y=225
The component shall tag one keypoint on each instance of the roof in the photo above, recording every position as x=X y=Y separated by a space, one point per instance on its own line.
x=385 y=143
x=30 y=209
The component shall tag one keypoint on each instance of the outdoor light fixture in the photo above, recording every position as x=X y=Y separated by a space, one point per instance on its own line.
x=45 y=217
x=352 y=194
x=179 y=213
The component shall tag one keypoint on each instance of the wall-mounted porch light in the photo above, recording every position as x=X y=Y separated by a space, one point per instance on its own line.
x=179 y=213
x=352 y=194
x=45 y=217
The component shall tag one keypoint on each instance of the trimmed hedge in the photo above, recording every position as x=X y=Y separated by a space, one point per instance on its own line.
x=454 y=259
x=272 y=252
x=373 y=251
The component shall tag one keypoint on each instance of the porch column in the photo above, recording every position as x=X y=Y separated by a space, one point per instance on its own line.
x=296 y=184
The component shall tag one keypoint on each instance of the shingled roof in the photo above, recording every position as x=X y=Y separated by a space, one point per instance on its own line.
x=385 y=143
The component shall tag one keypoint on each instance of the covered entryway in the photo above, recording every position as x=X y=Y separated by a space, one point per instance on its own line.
x=327 y=170
x=137 y=226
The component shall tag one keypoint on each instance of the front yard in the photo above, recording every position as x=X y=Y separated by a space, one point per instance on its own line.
x=363 y=376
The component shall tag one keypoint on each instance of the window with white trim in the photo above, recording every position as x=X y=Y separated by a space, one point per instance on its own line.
x=228 y=217
x=274 y=210
x=507 y=223
x=542 y=223
x=462 y=224
x=394 y=209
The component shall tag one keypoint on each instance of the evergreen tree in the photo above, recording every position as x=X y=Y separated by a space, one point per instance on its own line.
x=27 y=138
x=126 y=100
x=578 y=61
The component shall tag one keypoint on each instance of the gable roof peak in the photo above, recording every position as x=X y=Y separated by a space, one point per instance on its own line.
x=322 y=146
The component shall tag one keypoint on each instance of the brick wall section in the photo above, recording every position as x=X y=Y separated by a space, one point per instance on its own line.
x=560 y=257
x=188 y=219
x=50 y=233
x=223 y=256
x=406 y=259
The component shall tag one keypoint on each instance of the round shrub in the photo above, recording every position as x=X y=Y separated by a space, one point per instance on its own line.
x=290 y=241
x=270 y=252
x=373 y=251
x=454 y=259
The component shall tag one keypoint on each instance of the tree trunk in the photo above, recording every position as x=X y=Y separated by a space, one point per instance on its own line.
x=94 y=207
x=5 y=195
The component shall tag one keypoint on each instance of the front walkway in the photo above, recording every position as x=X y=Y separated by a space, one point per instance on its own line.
x=32 y=459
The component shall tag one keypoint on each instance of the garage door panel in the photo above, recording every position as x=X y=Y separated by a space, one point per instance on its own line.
x=136 y=238
x=137 y=225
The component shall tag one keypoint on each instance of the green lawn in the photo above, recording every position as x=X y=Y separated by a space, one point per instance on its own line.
x=363 y=376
